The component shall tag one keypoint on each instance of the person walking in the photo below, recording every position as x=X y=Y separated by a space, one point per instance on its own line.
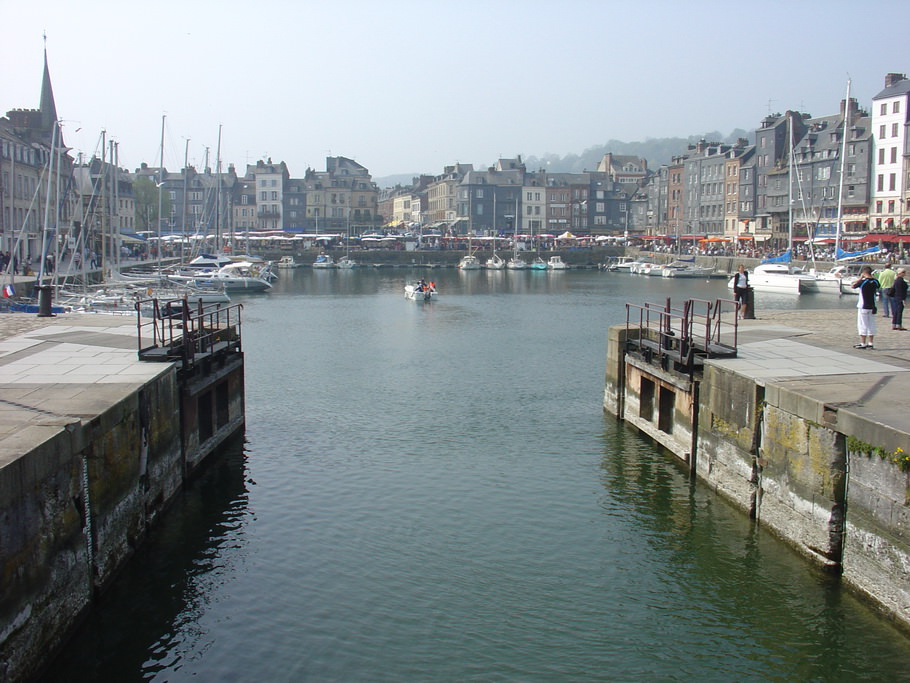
x=886 y=281
x=865 y=308
x=898 y=297
x=741 y=290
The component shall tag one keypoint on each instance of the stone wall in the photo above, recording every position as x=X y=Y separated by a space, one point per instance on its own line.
x=73 y=508
x=783 y=457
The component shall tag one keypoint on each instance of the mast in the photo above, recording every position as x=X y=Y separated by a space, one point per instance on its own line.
x=218 y=193
x=160 y=191
x=790 y=188
x=843 y=161
x=186 y=156
x=103 y=177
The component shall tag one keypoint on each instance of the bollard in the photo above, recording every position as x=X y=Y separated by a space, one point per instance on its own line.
x=749 y=307
x=44 y=301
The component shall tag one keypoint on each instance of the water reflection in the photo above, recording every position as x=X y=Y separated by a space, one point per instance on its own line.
x=199 y=543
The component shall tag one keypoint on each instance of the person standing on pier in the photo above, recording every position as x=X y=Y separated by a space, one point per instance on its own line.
x=898 y=296
x=886 y=281
x=741 y=289
x=865 y=308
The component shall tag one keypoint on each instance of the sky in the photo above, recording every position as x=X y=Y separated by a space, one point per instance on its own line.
x=408 y=87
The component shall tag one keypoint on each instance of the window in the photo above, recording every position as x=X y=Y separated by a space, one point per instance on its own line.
x=884 y=109
x=274 y=196
x=896 y=108
x=878 y=206
x=263 y=196
x=479 y=194
x=894 y=130
x=881 y=132
x=892 y=182
x=894 y=155
x=881 y=155
x=851 y=169
x=851 y=190
x=880 y=185
x=244 y=199
x=891 y=206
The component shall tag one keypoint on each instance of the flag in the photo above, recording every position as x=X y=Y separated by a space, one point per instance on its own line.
x=8 y=291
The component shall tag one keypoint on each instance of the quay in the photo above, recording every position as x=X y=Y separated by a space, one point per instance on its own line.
x=94 y=444
x=789 y=422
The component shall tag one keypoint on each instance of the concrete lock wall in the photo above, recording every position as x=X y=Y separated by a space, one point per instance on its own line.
x=73 y=508
x=784 y=459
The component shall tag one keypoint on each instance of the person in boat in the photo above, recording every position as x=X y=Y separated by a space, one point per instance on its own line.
x=432 y=286
x=741 y=289
x=865 y=308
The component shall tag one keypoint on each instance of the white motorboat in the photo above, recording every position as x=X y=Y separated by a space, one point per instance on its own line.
x=324 y=261
x=642 y=266
x=239 y=276
x=469 y=262
x=685 y=269
x=420 y=291
x=556 y=263
x=287 y=262
x=780 y=278
x=538 y=264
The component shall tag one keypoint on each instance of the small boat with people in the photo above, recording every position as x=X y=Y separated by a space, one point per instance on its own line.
x=420 y=291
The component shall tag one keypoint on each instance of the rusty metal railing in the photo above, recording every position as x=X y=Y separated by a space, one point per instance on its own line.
x=175 y=329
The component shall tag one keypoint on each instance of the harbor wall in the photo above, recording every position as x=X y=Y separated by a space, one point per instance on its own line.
x=75 y=506
x=823 y=479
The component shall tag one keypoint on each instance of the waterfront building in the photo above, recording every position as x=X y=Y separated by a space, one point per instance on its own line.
x=442 y=195
x=27 y=137
x=705 y=173
x=106 y=206
x=486 y=199
x=736 y=225
x=343 y=197
x=270 y=180
x=817 y=164
x=890 y=195
x=676 y=195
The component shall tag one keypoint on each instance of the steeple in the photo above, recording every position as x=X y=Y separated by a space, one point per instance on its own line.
x=48 y=107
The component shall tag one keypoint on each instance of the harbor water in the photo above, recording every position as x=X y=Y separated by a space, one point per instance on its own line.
x=431 y=492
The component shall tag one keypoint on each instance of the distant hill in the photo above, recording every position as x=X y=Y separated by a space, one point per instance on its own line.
x=657 y=151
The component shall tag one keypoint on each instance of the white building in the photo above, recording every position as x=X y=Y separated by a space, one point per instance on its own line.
x=889 y=209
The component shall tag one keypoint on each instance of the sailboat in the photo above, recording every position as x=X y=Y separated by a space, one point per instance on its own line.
x=516 y=263
x=776 y=274
x=469 y=261
x=495 y=262
x=346 y=262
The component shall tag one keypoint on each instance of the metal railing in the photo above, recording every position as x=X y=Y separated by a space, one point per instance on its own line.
x=683 y=336
x=176 y=329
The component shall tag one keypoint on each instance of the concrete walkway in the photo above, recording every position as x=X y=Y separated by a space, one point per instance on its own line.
x=61 y=370
x=810 y=355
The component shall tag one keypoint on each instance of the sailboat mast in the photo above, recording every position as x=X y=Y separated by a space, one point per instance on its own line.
x=843 y=162
x=218 y=194
x=160 y=190
x=790 y=189
x=186 y=156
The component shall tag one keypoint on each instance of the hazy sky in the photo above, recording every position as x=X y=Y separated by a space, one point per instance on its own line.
x=408 y=87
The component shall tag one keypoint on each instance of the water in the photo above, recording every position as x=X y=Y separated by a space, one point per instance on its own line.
x=431 y=492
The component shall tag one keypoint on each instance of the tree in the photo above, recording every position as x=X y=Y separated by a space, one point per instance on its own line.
x=145 y=193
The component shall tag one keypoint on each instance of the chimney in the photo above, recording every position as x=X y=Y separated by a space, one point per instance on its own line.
x=894 y=79
x=853 y=110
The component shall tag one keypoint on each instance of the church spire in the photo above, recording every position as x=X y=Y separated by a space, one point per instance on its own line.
x=47 y=107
